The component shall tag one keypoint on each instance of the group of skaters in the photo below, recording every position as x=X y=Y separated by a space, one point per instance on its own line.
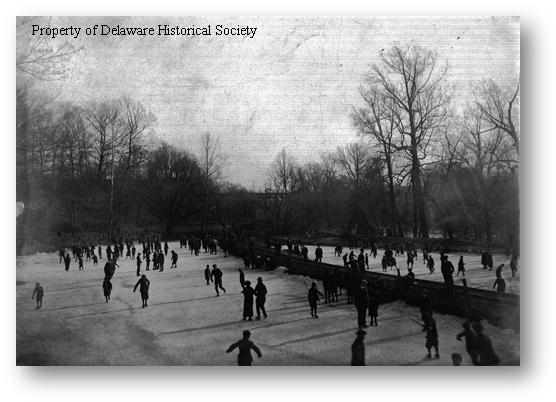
x=361 y=293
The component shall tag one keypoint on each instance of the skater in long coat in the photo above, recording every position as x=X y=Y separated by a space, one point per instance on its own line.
x=107 y=288
x=143 y=283
x=248 y=293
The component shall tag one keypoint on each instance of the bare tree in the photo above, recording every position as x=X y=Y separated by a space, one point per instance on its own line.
x=413 y=81
x=500 y=108
x=211 y=170
x=282 y=184
x=379 y=121
x=39 y=56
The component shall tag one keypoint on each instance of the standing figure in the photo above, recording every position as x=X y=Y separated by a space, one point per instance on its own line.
x=313 y=297
x=39 y=293
x=318 y=254
x=143 y=284
x=80 y=263
x=244 y=357
x=138 y=264
x=208 y=276
x=95 y=260
x=174 y=259
x=430 y=264
x=358 y=349
x=461 y=266
x=148 y=260
x=409 y=259
x=499 y=283
x=260 y=297
x=107 y=288
x=431 y=337
x=166 y=248
x=361 y=304
x=160 y=262
x=217 y=274
x=248 y=293
x=67 y=261
x=513 y=266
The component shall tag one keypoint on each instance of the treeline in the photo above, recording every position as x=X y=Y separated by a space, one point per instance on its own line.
x=423 y=165
x=96 y=168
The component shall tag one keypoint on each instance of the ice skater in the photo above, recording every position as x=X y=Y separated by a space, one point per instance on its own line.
x=38 y=294
x=244 y=357
x=216 y=275
x=143 y=283
x=248 y=293
x=313 y=297
x=107 y=289
x=208 y=276
x=260 y=297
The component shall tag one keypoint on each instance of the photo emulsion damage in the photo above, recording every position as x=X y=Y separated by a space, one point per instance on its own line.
x=268 y=191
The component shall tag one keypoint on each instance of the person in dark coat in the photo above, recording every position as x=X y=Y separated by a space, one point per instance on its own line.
x=217 y=274
x=461 y=266
x=361 y=303
x=447 y=269
x=358 y=349
x=174 y=260
x=318 y=254
x=107 y=288
x=361 y=260
x=430 y=264
x=260 y=297
x=67 y=261
x=313 y=297
x=143 y=283
x=208 y=276
x=244 y=357
x=483 y=346
x=248 y=293
x=138 y=264
x=513 y=266
x=499 y=283
x=38 y=293
x=241 y=277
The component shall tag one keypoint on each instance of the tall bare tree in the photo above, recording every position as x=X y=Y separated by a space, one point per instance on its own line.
x=211 y=170
x=412 y=79
x=379 y=121
x=500 y=108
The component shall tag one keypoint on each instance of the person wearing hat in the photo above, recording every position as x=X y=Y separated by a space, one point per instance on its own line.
x=358 y=349
x=39 y=293
x=244 y=357
x=248 y=293
x=143 y=284
x=260 y=297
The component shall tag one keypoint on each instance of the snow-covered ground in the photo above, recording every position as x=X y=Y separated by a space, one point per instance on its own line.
x=476 y=276
x=185 y=324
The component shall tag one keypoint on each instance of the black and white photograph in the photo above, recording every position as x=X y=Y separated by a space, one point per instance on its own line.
x=268 y=191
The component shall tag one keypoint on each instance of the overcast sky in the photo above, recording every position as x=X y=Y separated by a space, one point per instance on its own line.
x=293 y=85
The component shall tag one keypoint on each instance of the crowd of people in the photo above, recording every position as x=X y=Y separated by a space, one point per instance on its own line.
x=363 y=295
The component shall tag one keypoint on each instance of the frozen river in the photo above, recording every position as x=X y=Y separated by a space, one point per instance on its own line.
x=185 y=324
